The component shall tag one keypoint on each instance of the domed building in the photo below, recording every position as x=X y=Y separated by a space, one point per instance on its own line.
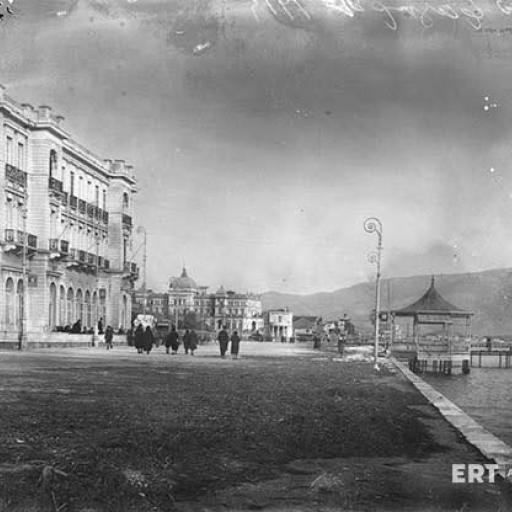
x=212 y=311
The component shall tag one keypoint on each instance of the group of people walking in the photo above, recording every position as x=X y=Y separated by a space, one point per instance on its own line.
x=190 y=341
x=223 y=338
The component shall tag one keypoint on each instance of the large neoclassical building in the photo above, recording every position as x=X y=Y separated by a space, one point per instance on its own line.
x=211 y=311
x=65 y=229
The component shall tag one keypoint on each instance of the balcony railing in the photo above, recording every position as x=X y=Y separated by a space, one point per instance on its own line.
x=55 y=185
x=127 y=220
x=15 y=175
x=73 y=202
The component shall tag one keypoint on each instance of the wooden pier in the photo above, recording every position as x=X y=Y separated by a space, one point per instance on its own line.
x=491 y=359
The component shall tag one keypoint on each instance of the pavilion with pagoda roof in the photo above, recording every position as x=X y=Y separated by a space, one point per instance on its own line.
x=449 y=348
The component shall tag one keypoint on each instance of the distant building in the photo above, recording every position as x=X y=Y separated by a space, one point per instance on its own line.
x=278 y=324
x=188 y=303
x=150 y=303
x=304 y=327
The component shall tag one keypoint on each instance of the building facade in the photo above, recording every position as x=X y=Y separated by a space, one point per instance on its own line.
x=278 y=324
x=65 y=229
x=191 y=304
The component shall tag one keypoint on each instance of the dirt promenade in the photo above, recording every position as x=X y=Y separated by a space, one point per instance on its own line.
x=282 y=428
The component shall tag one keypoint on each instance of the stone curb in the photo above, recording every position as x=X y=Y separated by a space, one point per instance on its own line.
x=488 y=444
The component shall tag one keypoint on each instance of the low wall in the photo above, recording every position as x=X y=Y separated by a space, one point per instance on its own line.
x=58 y=340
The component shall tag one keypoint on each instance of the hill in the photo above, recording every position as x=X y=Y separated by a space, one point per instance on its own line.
x=488 y=294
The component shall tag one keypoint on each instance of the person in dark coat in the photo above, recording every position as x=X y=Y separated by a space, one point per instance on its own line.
x=223 y=339
x=172 y=341
x=192 y=341
x=77 y=327
x=139 y=338
x=186 y=341
x=149 y=340
x=100 y=326
x=235 y=345
x=109 y=337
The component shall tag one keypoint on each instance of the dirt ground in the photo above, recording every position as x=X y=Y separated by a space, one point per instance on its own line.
x=281 y=429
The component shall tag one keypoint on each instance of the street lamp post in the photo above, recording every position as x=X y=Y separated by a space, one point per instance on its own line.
x=374 y=225
x=142 y=230
x=24 y=294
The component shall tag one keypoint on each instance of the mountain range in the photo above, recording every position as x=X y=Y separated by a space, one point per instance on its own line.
x=487 y=294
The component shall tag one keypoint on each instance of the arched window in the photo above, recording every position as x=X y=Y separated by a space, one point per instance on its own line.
x=62 y=305
x=124 y=313
x=70 y=312
x=126 y=200
x=52 y=310
x=94 y=309
x=88 y=319
x=79 y=306
x=53 y=163
x=9 y=302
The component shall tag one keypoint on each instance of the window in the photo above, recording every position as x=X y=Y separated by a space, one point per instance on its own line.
x=97 y=195
x=72 y=183
x=9 y=150
x=21 y=156
x=126 y=201
x=104 y=199
x=53 y=163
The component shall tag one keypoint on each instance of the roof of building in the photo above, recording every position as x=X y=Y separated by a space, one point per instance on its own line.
x=183 y=282
x=305 y=322
x=431 y=303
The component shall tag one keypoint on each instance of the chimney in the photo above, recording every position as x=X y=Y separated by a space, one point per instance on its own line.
x=44 y=113
x=118 y=166
x=28 y=110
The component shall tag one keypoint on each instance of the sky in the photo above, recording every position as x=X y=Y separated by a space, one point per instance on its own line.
x=264 y=132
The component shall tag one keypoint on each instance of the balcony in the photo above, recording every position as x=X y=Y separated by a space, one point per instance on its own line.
x=15 y=240
x=58 y=248
x=73 y=202
x=15 y=177
x=55 y=185
x=82 y=206
x=127 y=220
x=131 y=268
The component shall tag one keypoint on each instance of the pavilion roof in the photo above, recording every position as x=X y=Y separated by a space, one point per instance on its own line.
x=432 y=303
